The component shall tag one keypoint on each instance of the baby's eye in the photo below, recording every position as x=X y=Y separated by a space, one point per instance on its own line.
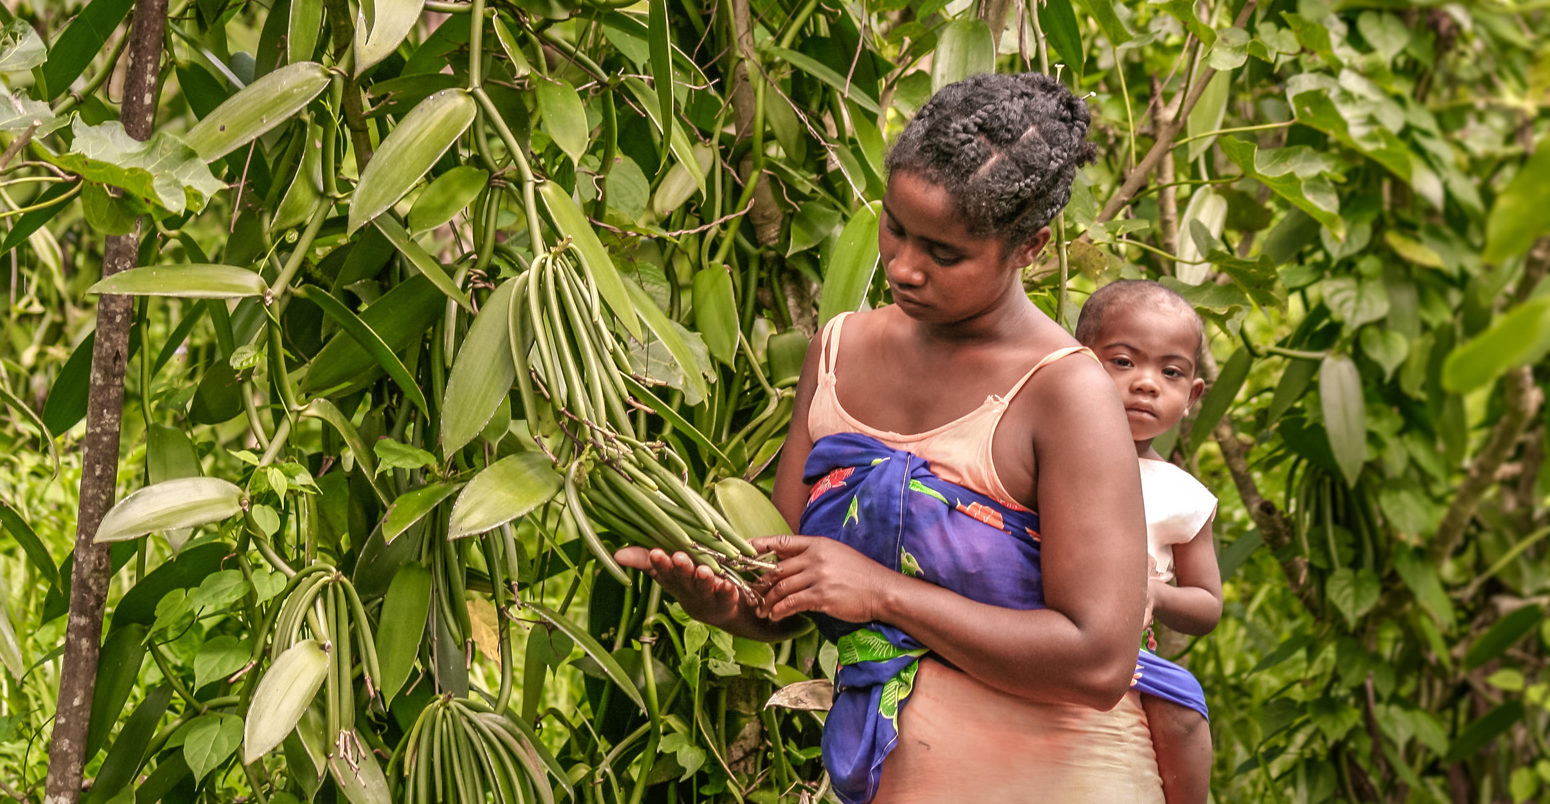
x=1173 y=374
x=1122 y=362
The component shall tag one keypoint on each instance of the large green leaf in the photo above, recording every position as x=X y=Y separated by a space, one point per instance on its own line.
x=20 y=47
x=285 y=691
x=119 y=769
x=20 y=113
x=482 y=374
x=369 y=340
x=208 y=740
x=1345 y=418
x=117 y=667
x=14 y=524
x=715 y=313
x=1521 y=337
x=505 y=490
x=1296 y=174
x=185 y=281
x=445 y=197
x=1503 y=634
x=563 y=117
x=1219 y=398
x=1058 y=21
x=401 y=317
x=849 y=274
x=421 y=259
x=667 y=332
x=390 y=22
x=1518 y=216
x=163 y=171
x=402 y=626
x=964 y=48
x=182 y=503
x=1103 y=13
x=425 y=133
x=257 y=108
x=82 y=40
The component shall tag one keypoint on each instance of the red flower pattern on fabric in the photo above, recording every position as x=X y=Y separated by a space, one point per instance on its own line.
x=831 y=481
x=983 y=513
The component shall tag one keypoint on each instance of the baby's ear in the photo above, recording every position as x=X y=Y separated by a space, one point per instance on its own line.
x=1196 y=389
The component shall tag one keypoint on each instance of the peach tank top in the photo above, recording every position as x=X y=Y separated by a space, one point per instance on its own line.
x=958 y=451
x=961 y=740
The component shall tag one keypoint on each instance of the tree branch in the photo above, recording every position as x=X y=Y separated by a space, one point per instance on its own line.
x=99 y=471
x=1521 y=401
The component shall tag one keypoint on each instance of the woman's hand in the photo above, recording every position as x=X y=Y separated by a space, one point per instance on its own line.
x=819 y=574
x=704 y=595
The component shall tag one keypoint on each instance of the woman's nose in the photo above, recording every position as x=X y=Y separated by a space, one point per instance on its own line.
x=902 y=267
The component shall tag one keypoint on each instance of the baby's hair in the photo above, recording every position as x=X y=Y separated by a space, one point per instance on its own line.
x=1005 y=147
x=1089 y=325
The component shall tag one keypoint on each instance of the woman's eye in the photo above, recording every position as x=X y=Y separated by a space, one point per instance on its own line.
x=945 y=259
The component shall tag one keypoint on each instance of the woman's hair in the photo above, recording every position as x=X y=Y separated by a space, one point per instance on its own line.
x=1005 y=147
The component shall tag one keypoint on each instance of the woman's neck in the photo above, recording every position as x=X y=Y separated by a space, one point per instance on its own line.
x=1010 y=316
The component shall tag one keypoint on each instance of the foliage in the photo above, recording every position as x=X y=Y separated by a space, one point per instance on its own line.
x=349 y=211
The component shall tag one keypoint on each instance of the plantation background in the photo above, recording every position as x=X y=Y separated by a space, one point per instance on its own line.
x=1353 y=194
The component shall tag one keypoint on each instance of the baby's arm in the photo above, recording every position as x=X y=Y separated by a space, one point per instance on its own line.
x=1195 y=605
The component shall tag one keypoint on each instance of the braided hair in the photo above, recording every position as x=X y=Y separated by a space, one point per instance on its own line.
x=1005 y=147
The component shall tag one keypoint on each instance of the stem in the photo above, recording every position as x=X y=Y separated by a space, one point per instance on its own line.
x=476 y=46
x=1060 y=216
x=104 y=417
x=1234 y=130
x=518 y=157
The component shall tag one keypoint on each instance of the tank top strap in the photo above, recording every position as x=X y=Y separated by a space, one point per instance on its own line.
x=831 y=344
x=1058 y=354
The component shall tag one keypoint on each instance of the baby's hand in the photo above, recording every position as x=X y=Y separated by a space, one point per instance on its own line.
x=1152 y=595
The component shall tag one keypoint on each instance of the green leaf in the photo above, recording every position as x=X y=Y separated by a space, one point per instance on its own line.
x=446 y=196
x=1385 y=347
x=748 y=509
x=1219 y=398
x=1521 y=337
x=827 y=75
x=661 y=62
x=302 y=27
x=965 y=47
x=1208 y=114
x=402 y=315
x=123 y=762
x=1353 y=592
x=1478 y=734
x=676 y=420
x=185 y=282
x=364 y=458
x=421 y=259
x=391 y=22
x=1345 y=419
x=482 y=374
x=256 y=109
x=406 y=153
x=1356 y=300
x=83 y=39
x=1310 y=192
x=1420 y=574
x=505 y=490
x=412 y=506
x=367 y=338
x=604 y=659
x=562 y=116
x=209 y=740
x=118 y=666
x=1200 y=228
x=1515 y=625
x=18 y=113
x=218 y=658
x=715 y=313
x=394 y=455
x=107 y=213
x=571 y=222
x=1518 y=215
x=851 y=266
x=15 y=403
x=37 y=553
x=20 y=47
x=402 y=626
x=667 y=332
x=183 y=503
x=285 y=691
x=162 y=171
x=1058 y=21
x=1102 y=12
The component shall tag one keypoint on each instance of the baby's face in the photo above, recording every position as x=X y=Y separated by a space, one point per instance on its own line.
x=1149 y=351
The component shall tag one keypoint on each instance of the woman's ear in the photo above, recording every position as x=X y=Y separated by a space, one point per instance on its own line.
x=1023 y=255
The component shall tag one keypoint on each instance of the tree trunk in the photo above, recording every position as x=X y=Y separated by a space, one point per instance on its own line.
x=104 y=413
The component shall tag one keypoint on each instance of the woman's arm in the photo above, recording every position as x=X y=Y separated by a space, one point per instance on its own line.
x=714 y=600
x=1195 y=605
x=1082 y=648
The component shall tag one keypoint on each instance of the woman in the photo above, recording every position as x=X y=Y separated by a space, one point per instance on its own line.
x=1027 y=700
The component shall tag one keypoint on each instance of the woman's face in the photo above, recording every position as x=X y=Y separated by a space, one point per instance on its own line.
x=937 y=270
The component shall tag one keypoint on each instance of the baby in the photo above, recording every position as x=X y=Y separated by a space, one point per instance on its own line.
x=1148 y=339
